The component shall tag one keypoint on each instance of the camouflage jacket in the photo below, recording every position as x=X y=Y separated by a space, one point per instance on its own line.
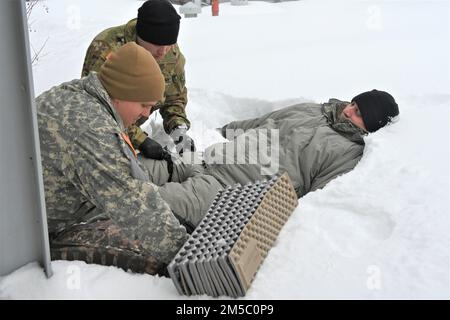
x=172 y=109
x=91 y=173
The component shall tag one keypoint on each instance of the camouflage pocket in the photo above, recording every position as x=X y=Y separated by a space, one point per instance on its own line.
x=178 y=83
x=172 y=89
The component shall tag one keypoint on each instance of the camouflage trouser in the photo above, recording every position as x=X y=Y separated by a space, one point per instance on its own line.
x=102 y=242
x=189 y=195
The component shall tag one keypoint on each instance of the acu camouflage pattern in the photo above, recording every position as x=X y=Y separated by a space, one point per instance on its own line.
x=91 y=175
x=103 y=242
x=172 y=109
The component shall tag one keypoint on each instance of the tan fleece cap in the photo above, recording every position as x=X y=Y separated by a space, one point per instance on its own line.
x=132 y=74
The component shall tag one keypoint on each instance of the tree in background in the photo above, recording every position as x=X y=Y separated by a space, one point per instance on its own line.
x=30 y=5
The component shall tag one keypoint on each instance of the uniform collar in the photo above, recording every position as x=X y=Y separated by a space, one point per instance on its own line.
x=129 y=35
x=129 y=32
x=331 y=110
x=95 y=88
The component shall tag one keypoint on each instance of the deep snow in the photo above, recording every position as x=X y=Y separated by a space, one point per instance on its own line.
x=380 y=231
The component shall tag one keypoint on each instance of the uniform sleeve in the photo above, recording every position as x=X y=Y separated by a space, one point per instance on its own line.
x=241 y=125
x=137 y=135
x=103 y=175
x=95 y=56
x=173 y=109
x=332 y=169
x=277 y=115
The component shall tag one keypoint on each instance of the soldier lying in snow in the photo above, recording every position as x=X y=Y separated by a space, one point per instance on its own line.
x=316 y=142
x=105 y=205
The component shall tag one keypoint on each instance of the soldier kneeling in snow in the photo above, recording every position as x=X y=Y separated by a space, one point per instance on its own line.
x=101 y=205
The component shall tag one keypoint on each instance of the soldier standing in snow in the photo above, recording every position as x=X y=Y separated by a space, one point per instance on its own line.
x=156 y=30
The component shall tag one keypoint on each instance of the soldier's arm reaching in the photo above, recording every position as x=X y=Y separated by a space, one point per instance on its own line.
x=173 y=108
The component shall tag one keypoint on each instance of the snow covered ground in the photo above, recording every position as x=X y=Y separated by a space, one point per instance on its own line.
x=381 y=231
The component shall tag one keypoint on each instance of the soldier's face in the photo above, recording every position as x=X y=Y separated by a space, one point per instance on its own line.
x=130 y=111
x=158 y=52
x=351 y=112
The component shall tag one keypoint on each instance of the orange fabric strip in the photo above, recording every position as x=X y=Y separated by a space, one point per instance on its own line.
x=128 y=141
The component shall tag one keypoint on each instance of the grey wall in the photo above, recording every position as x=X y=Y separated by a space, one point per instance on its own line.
x=23 y=223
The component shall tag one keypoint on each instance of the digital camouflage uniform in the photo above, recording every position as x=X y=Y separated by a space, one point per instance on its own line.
x=172 y=109
x=101 y=205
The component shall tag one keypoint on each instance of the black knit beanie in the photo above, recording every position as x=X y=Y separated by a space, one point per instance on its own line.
x=377 y=108
x=158 y=22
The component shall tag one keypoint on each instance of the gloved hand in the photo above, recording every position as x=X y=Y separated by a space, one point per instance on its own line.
x=152 y=149
x=182 y=140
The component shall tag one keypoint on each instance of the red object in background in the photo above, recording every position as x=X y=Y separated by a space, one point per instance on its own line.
x=215 y=7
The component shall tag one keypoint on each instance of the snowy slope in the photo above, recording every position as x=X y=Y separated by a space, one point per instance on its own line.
x=381 y=231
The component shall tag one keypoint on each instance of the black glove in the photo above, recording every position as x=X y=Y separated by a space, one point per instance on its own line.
x=152 y=149
x=182 y=140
